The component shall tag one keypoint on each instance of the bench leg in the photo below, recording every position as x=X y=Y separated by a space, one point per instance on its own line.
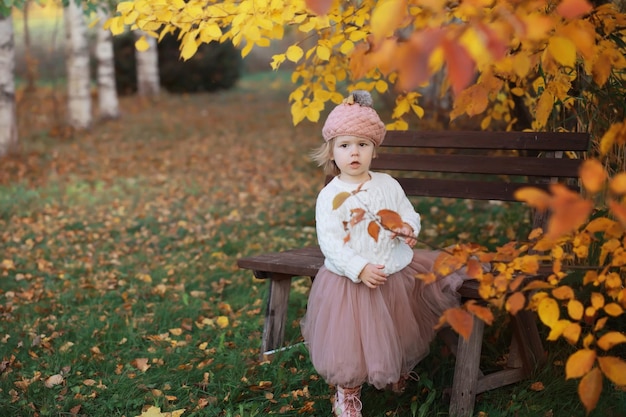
x=275 y=315
x=526 y=334
x=466 y=372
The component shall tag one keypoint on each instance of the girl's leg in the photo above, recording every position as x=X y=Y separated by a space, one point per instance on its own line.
x=348 y=402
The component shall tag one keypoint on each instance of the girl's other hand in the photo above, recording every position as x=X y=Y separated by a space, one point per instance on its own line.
x=373 y=276
x=407 y=233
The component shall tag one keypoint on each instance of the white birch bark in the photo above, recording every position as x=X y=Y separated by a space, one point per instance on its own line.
x=148 y=83
x=8 y=119
x=77 y=63
x=108 y=104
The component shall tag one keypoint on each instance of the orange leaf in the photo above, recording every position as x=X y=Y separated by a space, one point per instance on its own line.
x=390 y=219
x=515 y=303
x=569 y=211
x=428 y=278
x=618 y=183
x=461 y=66
x=483 y=313
x=614 y=368
x=474 y=269
x=619 y=210
x=589 y=389
x=534 y=197
x=563 y=292
x=357 y=216
x=610 y=339
x=141 y=364
x=575 y=309
x=572 y=333
x=593 y=175
x=373 y=230
x=319 y=7
x=571 y=9
x=461 y=321
x=579 y=363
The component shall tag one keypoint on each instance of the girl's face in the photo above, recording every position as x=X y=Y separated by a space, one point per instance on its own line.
x=353 y=157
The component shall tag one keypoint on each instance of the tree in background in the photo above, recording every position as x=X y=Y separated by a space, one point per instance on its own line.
x=77 y=65
x=8 y=120
x=147 y=58
x=108 y=104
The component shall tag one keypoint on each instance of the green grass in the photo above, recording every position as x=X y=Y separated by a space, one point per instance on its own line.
x=118 y=270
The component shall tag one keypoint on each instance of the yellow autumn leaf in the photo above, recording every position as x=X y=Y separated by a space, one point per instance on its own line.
x=142 y=44
x=294 y=53
x=222 y=322
x=125 y=7
x=544 y=108
x=339 y=199
x=597 y=300
x=563 y=292
x=323 y=52
x=614 y=368
x=608 y=139
x=610 y=339
x=589 y=389
x=548 y=311
x=579 y=363
x=572 y=332
x=189 y=47
x=593 y=175
x=601 y=224
x=600 y=324
x=575 y=309
x=563 y=50
x=347 y=47
x=558 y=329
x=613 y=309
x=386 y=17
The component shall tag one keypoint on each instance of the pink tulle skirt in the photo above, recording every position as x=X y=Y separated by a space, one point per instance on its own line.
x=356 y=334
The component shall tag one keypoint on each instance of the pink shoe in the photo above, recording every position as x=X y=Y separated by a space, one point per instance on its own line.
x=348 y=402
x=400 y=386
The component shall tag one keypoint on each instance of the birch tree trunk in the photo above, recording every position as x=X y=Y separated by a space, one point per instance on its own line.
x=8 y=119
x=148 y=83
x=77 y=61
x=108 y=104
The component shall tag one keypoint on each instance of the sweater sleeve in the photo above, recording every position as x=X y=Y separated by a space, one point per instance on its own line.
x=331 y=234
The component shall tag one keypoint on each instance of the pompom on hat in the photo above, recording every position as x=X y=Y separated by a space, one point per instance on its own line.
x=355 y=117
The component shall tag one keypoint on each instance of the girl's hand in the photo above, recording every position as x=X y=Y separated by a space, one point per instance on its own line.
x=407 y=233
x=373 y=276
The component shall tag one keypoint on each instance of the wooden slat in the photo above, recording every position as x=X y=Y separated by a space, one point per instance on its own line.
x=475 y=190
x=539 y=141
x=479 y=164
x=297 y=262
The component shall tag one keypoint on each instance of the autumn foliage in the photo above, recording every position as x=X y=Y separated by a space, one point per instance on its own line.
x=528 y=64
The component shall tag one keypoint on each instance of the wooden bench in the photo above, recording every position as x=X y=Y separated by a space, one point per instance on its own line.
x=451 y=164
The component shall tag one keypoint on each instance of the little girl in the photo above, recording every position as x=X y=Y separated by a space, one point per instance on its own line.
x=369 y=319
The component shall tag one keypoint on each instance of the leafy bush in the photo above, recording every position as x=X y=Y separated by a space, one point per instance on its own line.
x=214 y=67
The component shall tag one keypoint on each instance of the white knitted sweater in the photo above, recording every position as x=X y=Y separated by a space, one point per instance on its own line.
x=348 y=258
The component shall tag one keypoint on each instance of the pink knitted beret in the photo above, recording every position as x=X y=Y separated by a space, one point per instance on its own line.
x=355 y=117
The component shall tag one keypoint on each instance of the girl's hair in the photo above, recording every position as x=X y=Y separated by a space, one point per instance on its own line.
x=323 y=155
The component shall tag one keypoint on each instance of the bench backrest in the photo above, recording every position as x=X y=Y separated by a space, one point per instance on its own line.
x=479 y=165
